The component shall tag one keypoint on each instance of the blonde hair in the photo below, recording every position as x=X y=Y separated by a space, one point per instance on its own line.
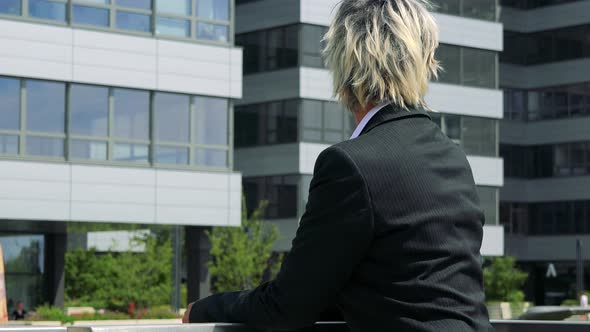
x=382 y=51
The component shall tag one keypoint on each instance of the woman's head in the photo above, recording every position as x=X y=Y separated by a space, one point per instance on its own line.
x=382 y=51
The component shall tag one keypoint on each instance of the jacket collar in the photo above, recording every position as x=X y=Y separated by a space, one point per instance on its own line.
x=393 y=112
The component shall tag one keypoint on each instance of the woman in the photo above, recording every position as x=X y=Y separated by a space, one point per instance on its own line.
x=393 y=228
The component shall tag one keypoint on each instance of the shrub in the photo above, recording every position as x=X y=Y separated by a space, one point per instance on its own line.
x=503 y=281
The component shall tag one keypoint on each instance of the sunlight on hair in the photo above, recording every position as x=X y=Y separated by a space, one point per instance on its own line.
x=382 y=51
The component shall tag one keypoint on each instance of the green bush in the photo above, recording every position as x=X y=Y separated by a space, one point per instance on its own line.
x=114 y=280
x=503 y=281
x=240 y=256
x=46 y=312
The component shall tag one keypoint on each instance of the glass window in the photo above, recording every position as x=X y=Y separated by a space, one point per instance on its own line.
x=131 y=152
x=267 y=123
x=214 y=32
x=90 y=15
x=10 y=7
x=9 y=144
x=131 y=114
x=311 y=45
x=133 y=21
x=90 y=150
x=9 y=103
x=312 y=121
x=45 y=106
x=479 y=136
x=176 y=7
x=171 y=116
x=172 y=27
x=480 y=9
x=213 y=9
x=211 y=121
x=89 y=110
x=452 y=126
x=270 y=49
x=488 y=198
x=451 y=7
x=45 y=146
x=211 y=157
x=279 y=191
x=171 y=155
x=479 y=68
x=48 y=9
x=450 y=60
x=138 y=4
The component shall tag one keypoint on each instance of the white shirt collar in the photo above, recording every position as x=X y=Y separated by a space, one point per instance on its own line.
x=366 y=119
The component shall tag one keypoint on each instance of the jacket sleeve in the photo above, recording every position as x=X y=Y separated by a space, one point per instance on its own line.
x=333 y=236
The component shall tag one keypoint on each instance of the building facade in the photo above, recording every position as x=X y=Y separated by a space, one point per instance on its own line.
x=288 y=113
x=117 y=111
x=545 y=141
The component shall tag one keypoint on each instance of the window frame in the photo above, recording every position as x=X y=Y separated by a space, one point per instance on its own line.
x=113 y=8
x=111 y=140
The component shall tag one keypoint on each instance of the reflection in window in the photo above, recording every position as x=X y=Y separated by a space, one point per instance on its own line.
x=133 y=21
x=138 y=153
x=24 y=267
x=311 y=45
x=46 y=106
x=10 y=104
x=90 y=15
x=137 y=4
x=479 y=9
x=272 y=49
x=45 y=146
x=279 y=191
x=171 y=155
x=131 y=114
x=89 y=110
x=9 y=144
x=211 y=121
x=213 y=9
x=48 y=10
x=214 y=32
x=176 y=7
x=171 y=115
x=467 y=66
x=546 y=46
x=477 y=136
x=488 y=200
x=172 y=27
x=88 y=150
x=211 y=158
x=10 y=7
x=266 y=123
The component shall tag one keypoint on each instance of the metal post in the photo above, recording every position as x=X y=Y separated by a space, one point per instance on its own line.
x=176 y=266
x=579 y=268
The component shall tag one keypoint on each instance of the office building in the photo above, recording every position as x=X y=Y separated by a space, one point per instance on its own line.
x=288 y=114
x=545 y=141
x=117 y=111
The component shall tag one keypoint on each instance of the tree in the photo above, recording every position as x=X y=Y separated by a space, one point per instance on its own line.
x=503 y=281
x=113 y=281
x=240 y=256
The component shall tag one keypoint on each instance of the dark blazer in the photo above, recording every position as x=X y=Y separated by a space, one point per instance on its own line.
x=390 y=236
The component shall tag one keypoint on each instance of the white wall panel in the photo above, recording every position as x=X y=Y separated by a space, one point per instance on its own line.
x=455 y=99
x=66 y=192
x=468 y=32
x=453 y=29
x=487 y=171
x=493 y=241
x=76 y=55
x=308 y=154
x=315 y=84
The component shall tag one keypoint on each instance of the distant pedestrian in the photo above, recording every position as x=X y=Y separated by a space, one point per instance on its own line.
x=19 y=313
